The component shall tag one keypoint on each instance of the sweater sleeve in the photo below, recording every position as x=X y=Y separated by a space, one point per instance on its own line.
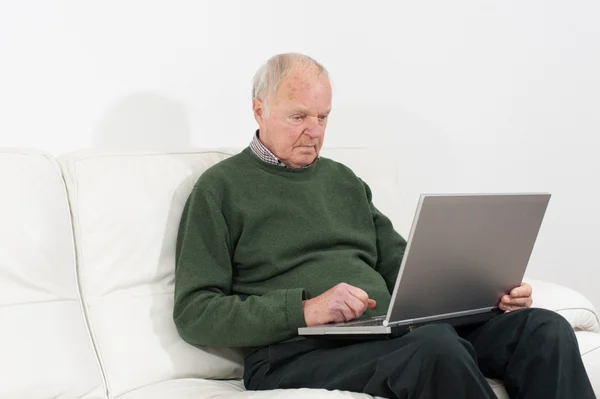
x=390 y=244
x=206 y=312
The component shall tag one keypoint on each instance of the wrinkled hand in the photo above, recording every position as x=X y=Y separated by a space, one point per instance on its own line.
x=341 y=303
x=519 y=298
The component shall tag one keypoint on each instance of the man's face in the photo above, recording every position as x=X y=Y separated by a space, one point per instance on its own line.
x=294 y=128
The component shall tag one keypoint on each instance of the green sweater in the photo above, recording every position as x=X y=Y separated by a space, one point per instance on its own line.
x=256 y=239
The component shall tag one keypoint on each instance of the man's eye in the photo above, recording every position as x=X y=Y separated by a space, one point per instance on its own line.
x=322 y=117
x=297 y=117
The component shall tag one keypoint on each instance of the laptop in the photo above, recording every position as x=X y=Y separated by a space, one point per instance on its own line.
x=464 y=252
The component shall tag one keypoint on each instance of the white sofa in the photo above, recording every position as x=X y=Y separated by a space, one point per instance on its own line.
x=86 y=279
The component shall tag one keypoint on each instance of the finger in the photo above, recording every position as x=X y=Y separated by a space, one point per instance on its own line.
x=507 y=300
x=510 y=308
x=357 y=306
x=348 y=313
x=341 y=306
x=338 y=317
x=523 y=291
x=371 y=304
x=339 y=310
x=358 y=293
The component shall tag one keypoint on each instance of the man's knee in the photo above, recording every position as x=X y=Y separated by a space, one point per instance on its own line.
x=547 y=325
x=433 y=333
x=439 y=342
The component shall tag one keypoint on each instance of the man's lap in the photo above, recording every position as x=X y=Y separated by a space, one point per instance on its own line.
x=287 y=365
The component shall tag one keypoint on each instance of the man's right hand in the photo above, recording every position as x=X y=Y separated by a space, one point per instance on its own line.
x=341 y=303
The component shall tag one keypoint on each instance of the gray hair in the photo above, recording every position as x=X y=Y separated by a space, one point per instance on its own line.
x=269 y=76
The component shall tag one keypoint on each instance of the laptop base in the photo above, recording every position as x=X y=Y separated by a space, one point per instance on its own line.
x=395 y=331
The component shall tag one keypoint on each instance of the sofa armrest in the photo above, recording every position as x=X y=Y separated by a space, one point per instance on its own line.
x=572 y=305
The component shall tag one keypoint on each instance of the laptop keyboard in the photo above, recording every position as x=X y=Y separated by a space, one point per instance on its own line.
x=363 y=323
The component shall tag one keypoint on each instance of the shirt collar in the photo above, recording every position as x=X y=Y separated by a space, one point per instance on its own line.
x=263 y=153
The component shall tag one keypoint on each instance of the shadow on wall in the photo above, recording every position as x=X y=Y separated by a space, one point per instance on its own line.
x=144 y=121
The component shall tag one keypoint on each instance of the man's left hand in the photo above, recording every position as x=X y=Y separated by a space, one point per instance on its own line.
x=518 y=298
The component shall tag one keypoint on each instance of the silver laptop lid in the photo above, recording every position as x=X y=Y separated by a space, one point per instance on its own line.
x=464 y=252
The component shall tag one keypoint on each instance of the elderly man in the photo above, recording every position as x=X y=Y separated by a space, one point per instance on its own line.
x=277 y=238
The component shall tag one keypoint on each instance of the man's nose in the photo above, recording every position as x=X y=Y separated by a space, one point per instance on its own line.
x=314 y=128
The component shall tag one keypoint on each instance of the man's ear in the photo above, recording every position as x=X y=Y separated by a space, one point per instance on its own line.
x=259 y=110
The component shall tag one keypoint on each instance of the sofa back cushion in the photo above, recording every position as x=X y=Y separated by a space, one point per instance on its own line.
x=126 y=210
x=44 y=344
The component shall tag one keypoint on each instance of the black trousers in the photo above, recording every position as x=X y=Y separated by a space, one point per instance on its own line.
x=534 y=351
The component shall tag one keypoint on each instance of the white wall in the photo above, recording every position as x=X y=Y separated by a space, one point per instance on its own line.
x=470 y=95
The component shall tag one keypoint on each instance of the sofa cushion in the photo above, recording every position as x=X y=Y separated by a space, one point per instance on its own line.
x=44 y=344
x=203 y=389
x=572 y=305
x=126 y=211
x=589 y=347
x=234 y=389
